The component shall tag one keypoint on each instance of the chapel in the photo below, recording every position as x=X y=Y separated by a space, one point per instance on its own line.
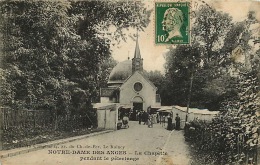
x=128 y=86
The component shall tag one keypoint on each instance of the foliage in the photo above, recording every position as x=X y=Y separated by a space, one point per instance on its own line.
x=157 y=78
x=54 y=50
x=54 y=53
x=218 y=83
x=105 y=70
x=210 y=70
x=24 y=137
x=199 y=61
x=233 y=136
x=210 y=29
x=181 y=63
x=7 y=94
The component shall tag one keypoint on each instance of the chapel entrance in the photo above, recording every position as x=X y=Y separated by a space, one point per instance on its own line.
x=137 y=106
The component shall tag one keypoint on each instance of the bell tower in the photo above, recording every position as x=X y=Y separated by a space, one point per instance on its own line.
x=137 y=61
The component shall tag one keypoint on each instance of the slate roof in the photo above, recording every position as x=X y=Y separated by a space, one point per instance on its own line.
x=120 y=72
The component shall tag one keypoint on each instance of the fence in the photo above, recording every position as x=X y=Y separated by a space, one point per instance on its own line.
x=42 y=118
x=20 y=124
x=25 y=118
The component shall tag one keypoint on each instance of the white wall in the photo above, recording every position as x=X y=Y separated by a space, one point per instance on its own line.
x=107 y=117
x=101 y=118
x=148 y=92
x=106 y=100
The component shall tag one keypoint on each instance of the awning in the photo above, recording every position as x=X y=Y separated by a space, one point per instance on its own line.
x=165 y=109
x=126 y=106
x=156 y=107
x=196 y=110
x=103 y=105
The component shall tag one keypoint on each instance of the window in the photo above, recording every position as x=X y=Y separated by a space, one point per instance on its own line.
x=138 y=86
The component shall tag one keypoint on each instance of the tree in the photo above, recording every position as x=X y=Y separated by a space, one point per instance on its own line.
x=52 y=51
x=157 y=78
x=30 y=31
x=106 y=67
x=181 y=63
x=95 y=19
x=233 y=135
x=211 y=36
x=209 y=30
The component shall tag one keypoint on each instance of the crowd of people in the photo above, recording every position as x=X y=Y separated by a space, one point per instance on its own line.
x=145 y=118
x=150 y=119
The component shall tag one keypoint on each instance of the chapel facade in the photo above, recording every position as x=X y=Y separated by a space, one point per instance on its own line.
x=128 y=86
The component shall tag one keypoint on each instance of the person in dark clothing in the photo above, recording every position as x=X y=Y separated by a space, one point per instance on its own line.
x=157 y=117
x=140 y=114
x=178 y=122
x=169 y=126
x=145 y=117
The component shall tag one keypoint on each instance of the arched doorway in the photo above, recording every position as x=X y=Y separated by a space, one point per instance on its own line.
x=137 y=106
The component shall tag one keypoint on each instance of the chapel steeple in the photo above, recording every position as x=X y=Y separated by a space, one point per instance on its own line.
x=137 y=61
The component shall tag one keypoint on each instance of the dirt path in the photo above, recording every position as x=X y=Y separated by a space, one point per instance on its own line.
x=137 y=145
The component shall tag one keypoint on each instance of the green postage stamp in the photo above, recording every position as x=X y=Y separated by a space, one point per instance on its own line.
x=172 y=23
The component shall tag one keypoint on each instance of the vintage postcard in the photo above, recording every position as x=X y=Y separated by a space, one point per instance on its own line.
x=133 y=82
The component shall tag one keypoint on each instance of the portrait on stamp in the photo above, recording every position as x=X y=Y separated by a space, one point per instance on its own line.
x=172 y=23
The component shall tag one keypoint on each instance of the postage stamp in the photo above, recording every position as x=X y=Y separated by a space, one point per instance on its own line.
x=172 y=23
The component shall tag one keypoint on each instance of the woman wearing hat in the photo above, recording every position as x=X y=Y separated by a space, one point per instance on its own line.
x=178 y=121
x=169 y=126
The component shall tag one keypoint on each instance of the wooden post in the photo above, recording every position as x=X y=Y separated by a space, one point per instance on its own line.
x=1 y=129
x=189 y=97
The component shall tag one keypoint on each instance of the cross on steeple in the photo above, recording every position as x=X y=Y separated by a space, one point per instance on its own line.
x=137 y=61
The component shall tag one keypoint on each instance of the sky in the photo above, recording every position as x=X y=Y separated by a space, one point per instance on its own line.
x=153 y=54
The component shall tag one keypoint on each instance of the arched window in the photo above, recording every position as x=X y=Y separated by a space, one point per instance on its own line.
x=138 y=99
